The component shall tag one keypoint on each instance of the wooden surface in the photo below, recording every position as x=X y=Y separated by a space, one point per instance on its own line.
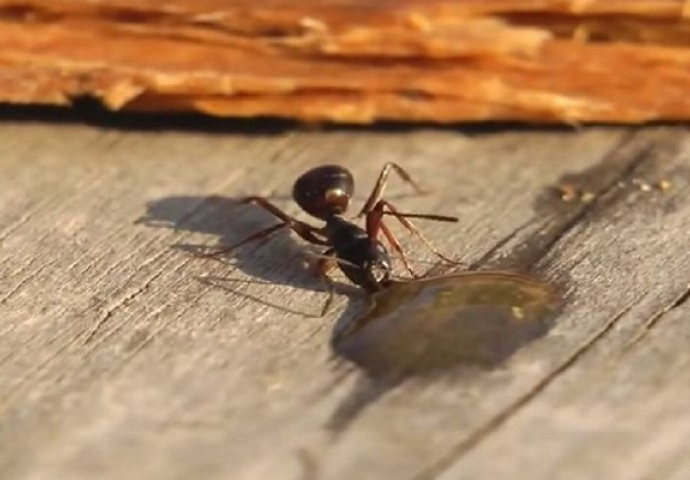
x=122 y=357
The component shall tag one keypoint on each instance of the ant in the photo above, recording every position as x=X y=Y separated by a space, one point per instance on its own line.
x=325 y=193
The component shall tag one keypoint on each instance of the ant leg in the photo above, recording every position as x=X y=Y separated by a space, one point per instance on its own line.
x=304 y=230
x=410 y=226
x=393 y=240
x=323 y=265
x=377 y=192
x=256 y=236
x=375 y=224
x=425 y=216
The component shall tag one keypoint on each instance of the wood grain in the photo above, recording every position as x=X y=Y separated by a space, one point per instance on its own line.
x=123 y=357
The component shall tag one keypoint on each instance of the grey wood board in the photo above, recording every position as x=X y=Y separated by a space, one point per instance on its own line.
x=123 y=357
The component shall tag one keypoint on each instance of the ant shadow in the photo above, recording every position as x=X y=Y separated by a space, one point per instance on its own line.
x=278 y=259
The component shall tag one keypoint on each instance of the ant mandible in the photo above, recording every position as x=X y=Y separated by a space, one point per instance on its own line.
x=325 y=193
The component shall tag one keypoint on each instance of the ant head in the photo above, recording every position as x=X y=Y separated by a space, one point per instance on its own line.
x=324 y=191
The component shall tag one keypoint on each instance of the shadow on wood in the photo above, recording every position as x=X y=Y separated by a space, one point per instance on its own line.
x=232 y=222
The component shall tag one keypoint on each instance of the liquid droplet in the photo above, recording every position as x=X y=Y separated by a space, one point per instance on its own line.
x=430 y=325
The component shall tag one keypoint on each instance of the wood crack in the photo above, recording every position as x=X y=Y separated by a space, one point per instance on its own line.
x=121 y=302
x=26 y=381
x=26 y=280
x=496 y=248
x=157 y=310
x=655 y=318
x=131 y=354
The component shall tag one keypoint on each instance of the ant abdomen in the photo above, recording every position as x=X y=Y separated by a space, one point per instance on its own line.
x=324 y=191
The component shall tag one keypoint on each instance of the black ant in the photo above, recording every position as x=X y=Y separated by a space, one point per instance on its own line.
x=325 y=192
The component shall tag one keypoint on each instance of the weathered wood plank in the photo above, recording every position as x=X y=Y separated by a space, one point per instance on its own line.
x=116 y=361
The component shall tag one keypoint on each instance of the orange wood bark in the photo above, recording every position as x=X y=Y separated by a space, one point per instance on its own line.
x=355 y=61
